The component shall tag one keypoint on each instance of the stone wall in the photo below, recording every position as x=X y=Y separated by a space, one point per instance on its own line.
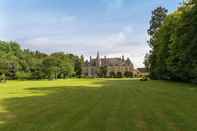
x=93 y=71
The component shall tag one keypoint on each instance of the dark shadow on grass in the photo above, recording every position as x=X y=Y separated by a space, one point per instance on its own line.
x=178 y=83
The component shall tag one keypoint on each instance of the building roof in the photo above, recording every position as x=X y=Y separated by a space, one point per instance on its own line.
x=117 y=61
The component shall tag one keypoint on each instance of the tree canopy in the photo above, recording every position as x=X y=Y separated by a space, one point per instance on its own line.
x=16 y=63
x=173 y=45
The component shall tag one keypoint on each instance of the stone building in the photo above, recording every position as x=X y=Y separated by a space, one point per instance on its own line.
x=142 y=72
x=111 y=67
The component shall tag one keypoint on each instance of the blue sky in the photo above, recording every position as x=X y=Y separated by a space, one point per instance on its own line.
x=112 y=27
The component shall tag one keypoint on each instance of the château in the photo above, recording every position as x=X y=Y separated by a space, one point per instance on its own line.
x=107 y=67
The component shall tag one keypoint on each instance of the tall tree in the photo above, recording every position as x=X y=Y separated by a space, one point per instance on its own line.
x=16 y=63
x=174 y=42
x=157 y=19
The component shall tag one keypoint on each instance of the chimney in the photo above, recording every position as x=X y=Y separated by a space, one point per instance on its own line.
x=123 y=58
x=105 y=60
x=98 y=55
x=90 y=59
x=98 y=60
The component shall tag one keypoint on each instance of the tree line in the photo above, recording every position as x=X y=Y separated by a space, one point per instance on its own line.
x=18 y=63
x=173 y=42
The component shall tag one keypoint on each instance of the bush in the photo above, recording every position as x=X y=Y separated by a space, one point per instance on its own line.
x=128 y=74
x=23 y=75
x=144 y=78
x=119 y=75
x=194 y=81
x=112 y=74
x=2 y=78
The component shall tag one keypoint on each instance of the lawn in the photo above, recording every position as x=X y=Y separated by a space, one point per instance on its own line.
x=98 y=105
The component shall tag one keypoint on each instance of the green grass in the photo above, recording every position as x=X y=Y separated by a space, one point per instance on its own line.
x=98 y=105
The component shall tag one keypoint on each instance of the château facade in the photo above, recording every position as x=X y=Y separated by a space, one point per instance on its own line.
x=107 y=67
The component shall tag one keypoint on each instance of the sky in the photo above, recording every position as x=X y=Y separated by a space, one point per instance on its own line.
x=112 y=27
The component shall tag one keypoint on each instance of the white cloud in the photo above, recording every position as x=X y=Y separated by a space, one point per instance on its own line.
x=112 y=45
x=124 y=43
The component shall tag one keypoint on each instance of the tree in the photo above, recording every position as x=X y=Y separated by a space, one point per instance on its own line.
x=3 y=67
x=103 y=71
x=174 y=55
x=3 y=70
x=112 y=74
x=37 y=71
x=119 y=75
x=78 y=65
x=66 y=70
x=51 y=67
x=157 y=19
x=147 y=62
x=2 y=78
x=182 y=59
x=23 y=75
x=16 y=63
x=12 y=69
x=128 y=74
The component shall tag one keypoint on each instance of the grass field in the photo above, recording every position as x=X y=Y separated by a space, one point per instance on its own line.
x=98 y=105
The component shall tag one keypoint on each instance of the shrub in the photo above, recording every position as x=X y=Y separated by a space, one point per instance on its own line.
x=119 y=75
x=194 y=81
x=144 y=78
x=2 y=78
x=128 y=74
x=23 y=75
x=112 y=74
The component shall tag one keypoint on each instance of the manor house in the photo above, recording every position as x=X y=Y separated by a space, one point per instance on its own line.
x=109 y=66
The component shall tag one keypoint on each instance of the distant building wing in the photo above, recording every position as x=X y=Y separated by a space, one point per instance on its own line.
x=142 y=70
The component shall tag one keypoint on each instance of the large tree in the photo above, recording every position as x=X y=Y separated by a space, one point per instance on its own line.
x=157 y=19
x=16 y=63
x=174 y=55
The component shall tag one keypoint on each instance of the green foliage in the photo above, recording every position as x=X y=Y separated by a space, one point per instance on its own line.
x=147 y=62
x=174 y=54
x=2 y=78
x=3 y=66
x=128 y=74
x=23 y=75
x=157 y=18
x=103 y=71
x=119 y=75
x=112 y=74
x=16 y=63
x=144 y=78
x=51 y=67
